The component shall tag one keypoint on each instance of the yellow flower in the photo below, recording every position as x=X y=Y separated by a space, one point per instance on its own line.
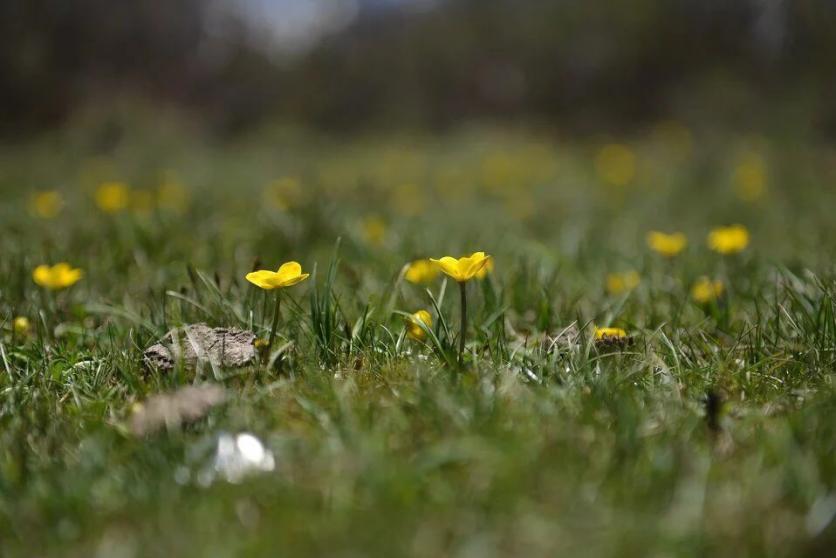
x=750 y=177
x=464 y=268
x=421 y=271
x=284 y=193
x=374 y=230
x=21 y=325
x=288 y=274
x=59 y=276
x=668 y=245
x=485 y=269
x=605 y=333
x=142 y=201
x=112 y=197
x=172 y=195
x=618 y=283
x=413 y=324
x=46 y=204
x=705 y=290
x=729 y=240
x=409 y=200
x=616 y=164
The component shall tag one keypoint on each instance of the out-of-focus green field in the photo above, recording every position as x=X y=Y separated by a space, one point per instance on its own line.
x=712 y=433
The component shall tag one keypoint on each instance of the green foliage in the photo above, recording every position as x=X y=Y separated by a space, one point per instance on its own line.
x=709 y=432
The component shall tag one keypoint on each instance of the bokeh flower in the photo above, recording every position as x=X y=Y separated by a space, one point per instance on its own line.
x=728 y=240
x=284 y=194
x=287 y=275
x=706 y=290
x=112 y=197
x=56 y=277
x=142 y=201
x=465 y=268
x=46 y=204
x=421 y=271
x=618 y=283
x=172 y=195
x=616 y=164
x=750 y=177
x=21 y=325
x=374 y=230
x=668 y=245
x=413 y=324
x=602 y=333
x=611 y=337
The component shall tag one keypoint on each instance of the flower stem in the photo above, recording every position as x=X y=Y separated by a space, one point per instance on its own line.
x=463 y=291
x=274 y=326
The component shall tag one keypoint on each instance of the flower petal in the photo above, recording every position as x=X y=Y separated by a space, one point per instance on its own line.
x=293 y=280
x=450 y=266
x=475 y=263
x=262 y=278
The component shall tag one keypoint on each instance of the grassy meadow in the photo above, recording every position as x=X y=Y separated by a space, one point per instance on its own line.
x=710 y=429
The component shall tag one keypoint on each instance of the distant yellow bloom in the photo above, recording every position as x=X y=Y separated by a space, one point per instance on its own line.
x=287 y=275
x=284 y=194
x=413 y=324
x=668 y=245
x=705 y=290
x=261 y=344
x=46 y=204
x=421 y=271
x=409 y=200
x=112 y=197
x=616 y=164
x=374 y=230
x=142 y=201
x=729 y=240
x=58 y=276
x=618 y=283
x=172 y=195
x=750 y=177
x=21 y=325
x=465 y=268
x=602 y=333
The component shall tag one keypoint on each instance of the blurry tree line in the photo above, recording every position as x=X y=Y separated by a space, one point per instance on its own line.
x=576 y=63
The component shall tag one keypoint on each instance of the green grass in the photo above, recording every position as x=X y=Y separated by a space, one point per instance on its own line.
x=383 y=446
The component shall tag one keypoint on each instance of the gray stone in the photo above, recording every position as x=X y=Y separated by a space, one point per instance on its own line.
x=200 y=344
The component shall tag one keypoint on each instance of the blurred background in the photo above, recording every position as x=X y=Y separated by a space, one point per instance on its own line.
x=358 y=65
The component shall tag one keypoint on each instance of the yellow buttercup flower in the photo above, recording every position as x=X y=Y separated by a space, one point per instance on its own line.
x=172 y=195
x=421 y=271
x=58 y=276
x=618 y=283
x=668 y=245
x=287 y=275
x=487 y=268
x=465 y=268
x=142 y=201
x=374 y=230
x=21 y=325
x=284 y=194
x=604 y=333
x=729 y=240
x=705 y=290
x=750 y=177
x=413 y=325
x=46 y=204
x=112 y=197
x=616 y=164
